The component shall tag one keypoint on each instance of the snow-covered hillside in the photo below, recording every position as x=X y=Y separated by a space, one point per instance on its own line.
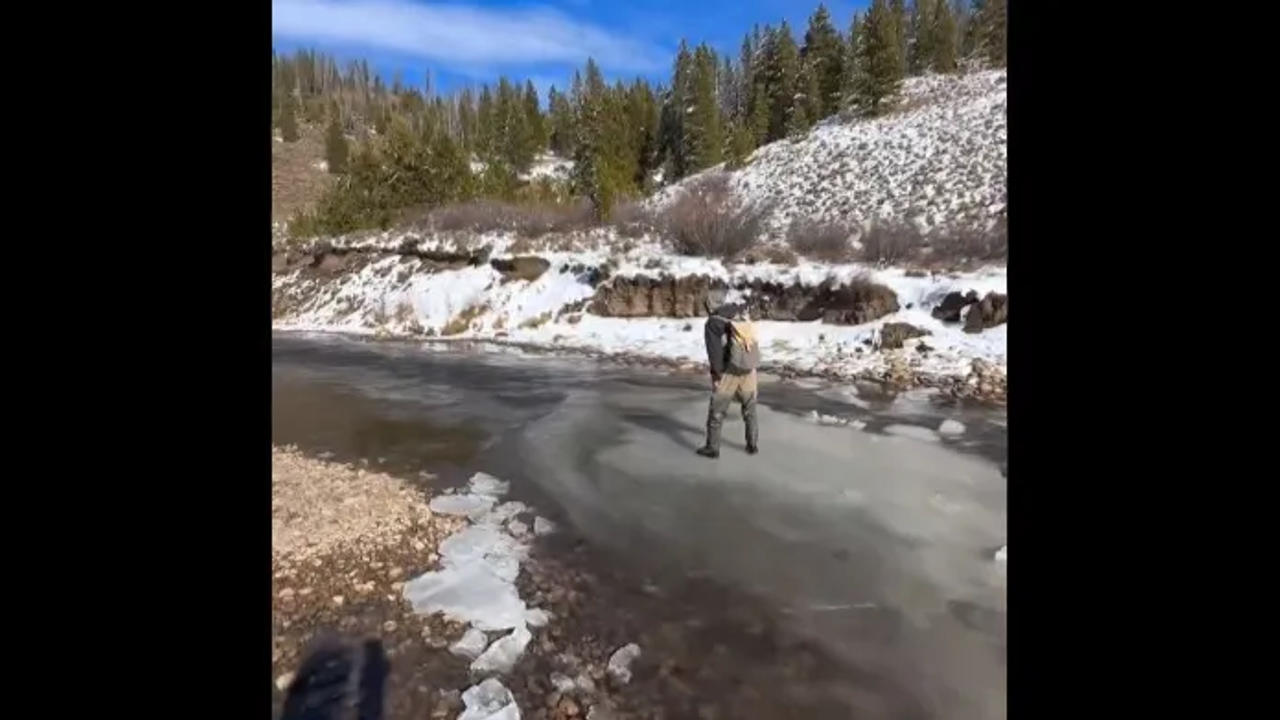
x=940 y=161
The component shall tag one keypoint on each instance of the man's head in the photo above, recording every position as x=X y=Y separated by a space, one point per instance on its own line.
x=713 y=300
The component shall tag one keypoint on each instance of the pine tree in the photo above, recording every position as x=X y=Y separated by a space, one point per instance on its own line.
x=944 y=38
x=807 y=108
x=592 y=175
x=534 y=124
x=960 y=10
x=486 y=125
x=727 y=84
x=561 y=121
x=823 y=53
x=922 y=53
x=781 y=72
x=758 y=120
x=880 y=66
x=898 y=14
x=741 y=145
x=703 y=138
x=642 y=121
x=990 y=30
x=335 y=145
x=288 y=123
x=798 y=123
x=848 y=94
x=676 y=109
x=746 y=80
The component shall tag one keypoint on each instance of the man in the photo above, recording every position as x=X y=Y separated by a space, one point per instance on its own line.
x=734 y=353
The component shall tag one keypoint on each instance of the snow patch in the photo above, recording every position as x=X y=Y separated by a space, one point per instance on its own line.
x=951 y=427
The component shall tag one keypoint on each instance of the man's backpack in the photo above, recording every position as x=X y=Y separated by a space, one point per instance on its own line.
x=744 y=350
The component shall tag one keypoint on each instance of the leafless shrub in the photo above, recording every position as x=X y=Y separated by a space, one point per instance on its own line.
x=972 y=245
x=704 y=221
x=891 y=242
x=820 y=239
x=632 y=219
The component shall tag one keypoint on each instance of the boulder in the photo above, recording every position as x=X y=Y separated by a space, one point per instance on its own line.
x=524 y=267
x=893 y=334
x=854 y=304
x=991 y=311
x=949 y=309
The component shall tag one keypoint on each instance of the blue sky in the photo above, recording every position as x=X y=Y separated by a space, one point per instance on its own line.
x=474 y=41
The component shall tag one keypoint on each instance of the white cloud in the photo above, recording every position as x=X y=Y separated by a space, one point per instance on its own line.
x=461 y=34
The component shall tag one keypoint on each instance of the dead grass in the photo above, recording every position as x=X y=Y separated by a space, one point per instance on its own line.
x=462 y=321
x=820 y=239
x=534 y=323
x=528 y=220
x=632 y=219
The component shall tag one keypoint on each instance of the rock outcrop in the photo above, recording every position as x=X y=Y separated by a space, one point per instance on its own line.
x=991 y=311
x=893 y=334
x=641 y=296
x=949 y=309
x=523 y=267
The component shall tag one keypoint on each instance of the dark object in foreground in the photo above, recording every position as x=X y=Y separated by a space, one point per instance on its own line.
x=339 y=681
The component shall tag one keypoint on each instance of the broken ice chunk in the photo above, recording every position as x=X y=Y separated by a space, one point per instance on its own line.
x=503 y=654
x=951 y=427
x=486 y=484
x=489 y=700
x=470 y=594
x=466 y=505
x=620 y=663
x=470 y=645
x=543 y=526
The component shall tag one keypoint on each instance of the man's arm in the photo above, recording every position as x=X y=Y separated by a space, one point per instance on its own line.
x=714 y=333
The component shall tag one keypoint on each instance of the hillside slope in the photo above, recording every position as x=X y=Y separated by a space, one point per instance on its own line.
x=939 y=161
x=299 y=175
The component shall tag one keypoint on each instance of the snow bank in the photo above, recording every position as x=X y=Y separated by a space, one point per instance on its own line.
x=479 y=303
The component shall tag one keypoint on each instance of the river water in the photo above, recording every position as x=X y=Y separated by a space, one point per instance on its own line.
x=873 y=544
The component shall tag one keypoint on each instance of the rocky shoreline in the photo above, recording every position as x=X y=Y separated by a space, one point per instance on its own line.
x=346 y=540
